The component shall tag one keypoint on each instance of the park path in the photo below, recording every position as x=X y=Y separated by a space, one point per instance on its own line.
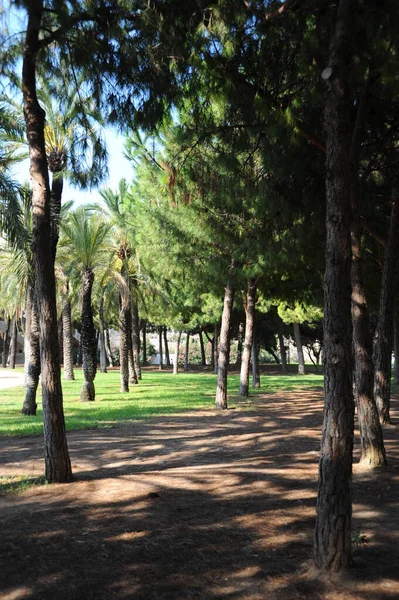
x=201 y=505
x=10 y=378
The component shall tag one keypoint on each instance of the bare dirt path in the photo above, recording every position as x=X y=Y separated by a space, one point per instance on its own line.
x=200 y=505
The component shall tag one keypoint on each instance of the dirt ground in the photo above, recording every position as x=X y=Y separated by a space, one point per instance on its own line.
x=203 y=505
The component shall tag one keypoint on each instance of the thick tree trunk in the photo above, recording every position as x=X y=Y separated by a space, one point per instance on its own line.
x=166 y=345
x=88 y=338
x=136 y=332
x=13 y=343
x=371 y=438
x=6 y=343
x=255 y=362
x=32 y=353
x=144 y=342
x=249 y=332
x=68 y=334
x=396 y=347
x=160 y=348
x=57 y=462
x=103 y=353
x=201 y=341
x=176 y=357
x=123 y=346
x=383 y=338
x=186 y=351
x=221 y=389
x=108 y=348
x=299 y=349
x=215 y=348
x=283 y=353
x=133 y=379
x=332 y=537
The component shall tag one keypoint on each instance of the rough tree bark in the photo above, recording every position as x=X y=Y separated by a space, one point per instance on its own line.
x=57 y=461
x=123 y=346
x=103 y=353
x=255 y=361
x=88 y=338
x=32 y=352
x=160 y=348
x=249 y=331
x=6 y=343
x=13 y=343
x=383 y=337
x=176 y=357
x=221 y=389
x=67 y=333
x=201 y=341
x=136 y=331
x=166 y=345
x=108 y=348
x=299 y=349
x=283 y=353
x=332 y=536
x=144 y=327
x=239 y=343
x=186 y=351
x=371 y=437
x=133 y=379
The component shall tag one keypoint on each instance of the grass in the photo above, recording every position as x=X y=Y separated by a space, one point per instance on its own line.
x=159 y=393
x=16 y=484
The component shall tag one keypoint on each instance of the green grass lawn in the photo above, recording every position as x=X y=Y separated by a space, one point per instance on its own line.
x=159 y=393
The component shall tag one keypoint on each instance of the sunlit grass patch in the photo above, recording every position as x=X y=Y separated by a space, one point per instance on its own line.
x=15 y=484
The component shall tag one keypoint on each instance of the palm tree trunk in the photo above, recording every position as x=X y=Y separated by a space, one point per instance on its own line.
x=221 y=389
x=6 y=343
x=249 y=331
x=32 y=352
x=123 y=347
x=186 y=351
x=88 y=338
x=13 y=344
x=133 y=379
x=57 y=461
x=103 y=354
x=176 y=358
x=67 y=334
x=136 y=335
x=299 y=348
x=57 y=185
x=383 y=338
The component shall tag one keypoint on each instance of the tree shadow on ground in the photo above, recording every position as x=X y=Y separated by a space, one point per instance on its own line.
x=202 y=505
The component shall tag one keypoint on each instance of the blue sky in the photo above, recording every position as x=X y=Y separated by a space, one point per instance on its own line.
x=118 y=166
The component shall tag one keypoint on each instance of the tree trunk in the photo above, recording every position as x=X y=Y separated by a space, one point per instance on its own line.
x=396 y=347
x=103 y=354
x=249 y=332
x=61 y=335
x=332 y=536
x=68 y=334
x=57 y=461
x=255 y=362
x=215 y=348
x=239 y=344
x=108 y=348
x=201 y=341
x=166 y=346
x=88 y=338
x=160 y=348
x=32 y=352
x=133 y=379
x=371 y=438
x=221 y=389
x=144 y=342
x=6 y=343
x=123 y=346
x=57 y=185
x=383 y=338
x=186 y=351
x=136 y=331
x=176 y=358
x=283 y=354
x=298 y=342
x=13 y=344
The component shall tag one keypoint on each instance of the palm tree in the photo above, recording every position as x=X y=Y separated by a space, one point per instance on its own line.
x=85 y=234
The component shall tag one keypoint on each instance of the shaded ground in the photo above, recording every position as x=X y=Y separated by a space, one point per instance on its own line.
x=202 y=505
